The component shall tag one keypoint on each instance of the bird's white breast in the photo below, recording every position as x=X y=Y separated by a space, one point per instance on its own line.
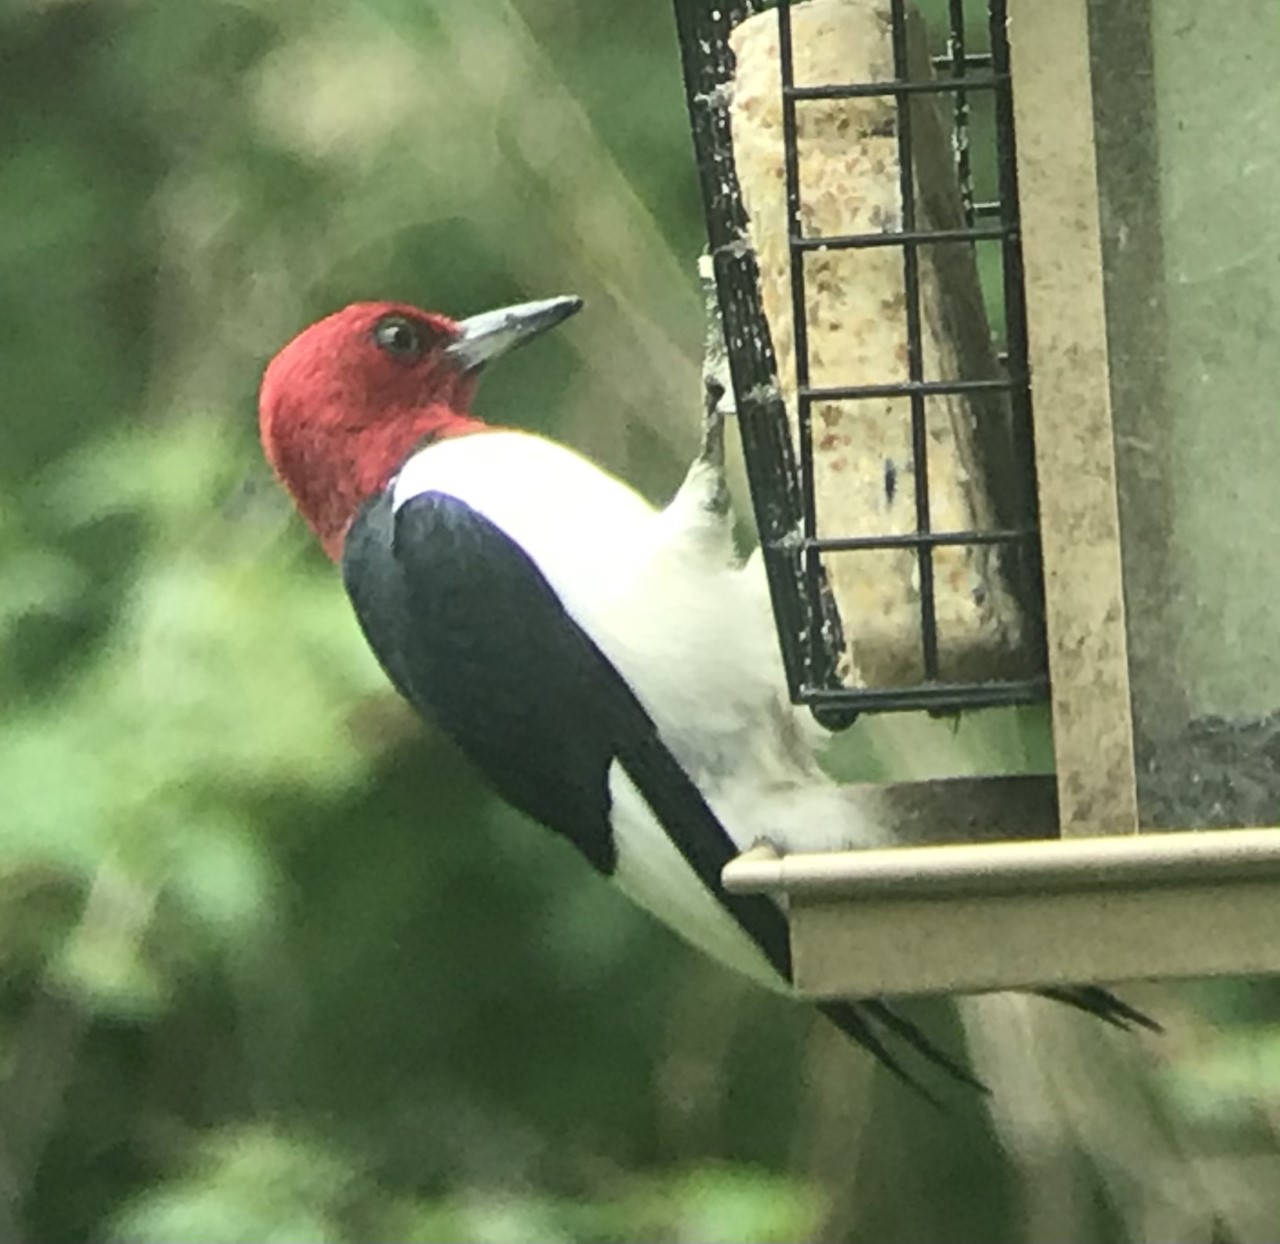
x=582 y=526
x=596 y=540
x=663 y=596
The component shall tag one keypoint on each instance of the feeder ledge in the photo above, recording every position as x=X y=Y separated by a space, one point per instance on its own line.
x=974 y=917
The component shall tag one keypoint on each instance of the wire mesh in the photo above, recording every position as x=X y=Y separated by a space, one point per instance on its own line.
x=780 y=466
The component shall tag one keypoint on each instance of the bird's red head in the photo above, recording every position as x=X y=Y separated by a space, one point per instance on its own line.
x=350 y=398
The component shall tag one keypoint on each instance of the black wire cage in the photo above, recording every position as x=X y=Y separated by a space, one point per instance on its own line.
x=947 y=490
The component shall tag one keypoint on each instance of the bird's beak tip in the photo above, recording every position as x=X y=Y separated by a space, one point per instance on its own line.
x=493 y=333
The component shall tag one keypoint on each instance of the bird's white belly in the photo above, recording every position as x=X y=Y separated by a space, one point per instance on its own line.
x=653 y=873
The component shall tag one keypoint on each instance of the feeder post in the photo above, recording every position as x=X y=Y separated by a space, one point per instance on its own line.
x=1075 y=447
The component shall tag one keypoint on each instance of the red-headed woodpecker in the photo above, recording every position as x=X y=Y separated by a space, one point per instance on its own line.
x=611 y=668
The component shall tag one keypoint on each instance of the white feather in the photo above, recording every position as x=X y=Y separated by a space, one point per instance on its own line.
x=663 y=595
x=653 y=873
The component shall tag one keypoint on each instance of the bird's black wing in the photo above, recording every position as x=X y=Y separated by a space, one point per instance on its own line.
x=474 y=636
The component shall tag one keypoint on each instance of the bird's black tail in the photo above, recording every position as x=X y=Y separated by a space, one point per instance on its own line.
x=1102 y=1003
x=870 y=1022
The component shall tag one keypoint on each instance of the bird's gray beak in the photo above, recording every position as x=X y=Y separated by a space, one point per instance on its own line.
x=484 y=337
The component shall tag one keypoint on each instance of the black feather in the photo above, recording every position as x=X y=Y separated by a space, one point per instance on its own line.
x=909 y=1032
x=1103 y=1004
x=848 y=1017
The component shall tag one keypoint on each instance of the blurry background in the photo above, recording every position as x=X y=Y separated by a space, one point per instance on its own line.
x=272 y=964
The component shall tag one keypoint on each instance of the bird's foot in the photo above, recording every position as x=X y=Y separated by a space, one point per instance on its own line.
x=711 y=451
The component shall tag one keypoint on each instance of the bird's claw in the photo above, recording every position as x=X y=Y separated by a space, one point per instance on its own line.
x=712 y=449
x=710 y=460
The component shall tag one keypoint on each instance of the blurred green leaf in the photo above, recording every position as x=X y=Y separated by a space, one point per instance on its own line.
x=248 y=1186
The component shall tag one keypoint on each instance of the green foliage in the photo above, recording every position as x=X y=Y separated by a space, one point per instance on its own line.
x=258 y=1186
x=249 y=1185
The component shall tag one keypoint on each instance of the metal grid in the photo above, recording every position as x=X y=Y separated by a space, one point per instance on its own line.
x=782 y=481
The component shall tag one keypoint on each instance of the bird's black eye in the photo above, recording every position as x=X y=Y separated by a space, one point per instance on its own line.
x=399 y=337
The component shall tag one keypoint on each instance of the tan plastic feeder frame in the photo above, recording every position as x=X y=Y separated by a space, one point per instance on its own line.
x=1061 y=885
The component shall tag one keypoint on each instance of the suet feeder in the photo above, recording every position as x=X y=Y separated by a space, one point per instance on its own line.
x=999 y=451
